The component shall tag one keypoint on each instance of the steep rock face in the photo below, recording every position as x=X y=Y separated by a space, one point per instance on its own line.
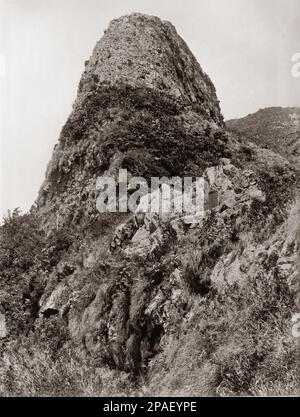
x=142 y=96
x=183 y=303
x=276 y=128
x=143 y=51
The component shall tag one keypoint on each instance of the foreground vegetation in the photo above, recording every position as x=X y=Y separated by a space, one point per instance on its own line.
x=237 y=342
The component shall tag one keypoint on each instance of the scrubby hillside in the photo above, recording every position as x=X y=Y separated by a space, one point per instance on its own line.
x=274 y=128
x=145 y=303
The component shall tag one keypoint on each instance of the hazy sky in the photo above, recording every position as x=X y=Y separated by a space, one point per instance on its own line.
x=244 y=45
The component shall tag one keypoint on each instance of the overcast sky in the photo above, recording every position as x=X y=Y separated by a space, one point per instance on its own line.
x=244 y=45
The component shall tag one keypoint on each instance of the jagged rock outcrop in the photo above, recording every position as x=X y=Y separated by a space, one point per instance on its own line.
x=160 y=294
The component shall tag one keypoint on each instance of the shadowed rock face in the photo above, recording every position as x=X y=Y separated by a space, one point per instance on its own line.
x=151 y=293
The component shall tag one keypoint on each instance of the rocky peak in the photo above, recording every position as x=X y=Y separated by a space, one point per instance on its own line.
x=143 y=104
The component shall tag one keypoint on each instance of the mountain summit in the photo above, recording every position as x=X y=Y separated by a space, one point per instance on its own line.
x=145 y=52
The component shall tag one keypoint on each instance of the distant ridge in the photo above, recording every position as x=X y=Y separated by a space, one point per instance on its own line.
x=275 y=128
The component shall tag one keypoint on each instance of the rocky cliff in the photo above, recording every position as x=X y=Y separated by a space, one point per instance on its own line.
x=189 y=308
x=144 y=103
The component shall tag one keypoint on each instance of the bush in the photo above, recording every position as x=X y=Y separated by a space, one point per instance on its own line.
x=21 y=242
x=193 y=275
x=30 y=371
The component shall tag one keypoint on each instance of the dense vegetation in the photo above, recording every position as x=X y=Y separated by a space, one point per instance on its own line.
x=239 y=341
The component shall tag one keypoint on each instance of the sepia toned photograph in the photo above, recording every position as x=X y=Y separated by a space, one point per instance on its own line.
x=149 y=201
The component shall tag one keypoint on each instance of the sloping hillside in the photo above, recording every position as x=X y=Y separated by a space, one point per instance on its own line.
x=274 y=128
